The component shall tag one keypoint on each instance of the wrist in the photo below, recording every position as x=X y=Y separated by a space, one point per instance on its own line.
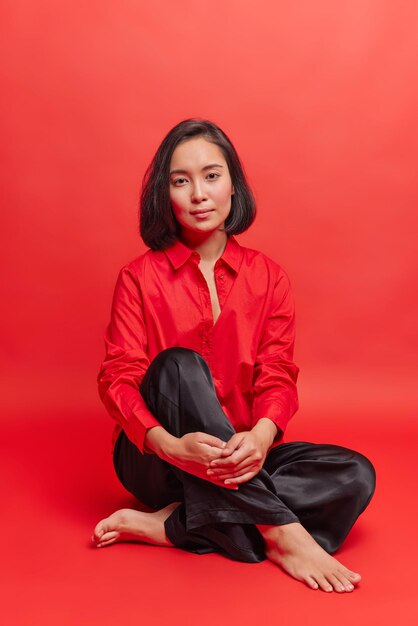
x=160 y=442
x=266 y=430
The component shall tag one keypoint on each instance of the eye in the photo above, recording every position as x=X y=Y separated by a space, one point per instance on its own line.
x=179 y=181
x=213 y=175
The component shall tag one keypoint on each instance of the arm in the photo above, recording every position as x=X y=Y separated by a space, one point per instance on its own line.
x=275 y=393
x=120 y=375
x=275 y=373
x=126 y=361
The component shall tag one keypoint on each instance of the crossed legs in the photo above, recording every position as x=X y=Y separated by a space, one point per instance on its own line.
x=303 y=487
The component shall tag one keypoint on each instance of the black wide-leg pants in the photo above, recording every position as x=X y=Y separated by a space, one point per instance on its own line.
x=324 y=487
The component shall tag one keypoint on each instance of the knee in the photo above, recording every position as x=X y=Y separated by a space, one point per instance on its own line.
x=357 y=479
x=178 y=356
x=173 y=365
x=365 y=478
x=184 y=361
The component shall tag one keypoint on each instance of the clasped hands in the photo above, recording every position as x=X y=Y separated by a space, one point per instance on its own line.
x=240 y=460
x=229 y=463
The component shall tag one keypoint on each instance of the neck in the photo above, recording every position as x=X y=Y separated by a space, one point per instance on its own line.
x=209 y=246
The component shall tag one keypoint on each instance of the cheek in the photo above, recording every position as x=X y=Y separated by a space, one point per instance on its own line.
x=177 y=202
x=224 y=195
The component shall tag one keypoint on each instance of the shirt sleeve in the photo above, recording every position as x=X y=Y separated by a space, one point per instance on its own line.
x=275 y=373
x=126 y=361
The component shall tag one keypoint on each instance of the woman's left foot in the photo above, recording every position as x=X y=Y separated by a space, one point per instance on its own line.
x=131 y=525
x=293 y=548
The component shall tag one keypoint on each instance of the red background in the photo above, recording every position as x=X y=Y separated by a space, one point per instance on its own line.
x=320 y=99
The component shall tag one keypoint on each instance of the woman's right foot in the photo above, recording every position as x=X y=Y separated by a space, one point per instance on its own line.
x=293 y=548
x=131 y=525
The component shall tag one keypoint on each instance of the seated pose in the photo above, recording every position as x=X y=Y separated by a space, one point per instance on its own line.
x=200 y=378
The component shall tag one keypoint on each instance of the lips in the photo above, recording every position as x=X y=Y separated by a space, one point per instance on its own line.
x=200 y=211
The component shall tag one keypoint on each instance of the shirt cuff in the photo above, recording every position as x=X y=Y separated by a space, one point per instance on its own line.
x=279 y=415
x=131 y=413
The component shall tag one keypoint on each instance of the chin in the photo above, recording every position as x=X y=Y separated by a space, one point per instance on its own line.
x=202 y=228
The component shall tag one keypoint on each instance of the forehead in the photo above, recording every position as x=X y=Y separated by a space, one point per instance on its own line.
x=196 y=152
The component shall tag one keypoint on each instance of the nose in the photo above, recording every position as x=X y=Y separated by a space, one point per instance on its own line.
x=198 y=192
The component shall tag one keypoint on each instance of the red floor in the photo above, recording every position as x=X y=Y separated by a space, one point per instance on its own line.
x=59 y=482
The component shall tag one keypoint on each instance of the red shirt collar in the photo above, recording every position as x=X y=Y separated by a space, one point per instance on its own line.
x=179 y=253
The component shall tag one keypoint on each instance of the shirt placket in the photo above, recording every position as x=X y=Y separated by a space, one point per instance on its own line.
x=206 y=324
x=220 y=279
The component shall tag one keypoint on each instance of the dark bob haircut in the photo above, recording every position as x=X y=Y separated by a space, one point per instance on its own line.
x=158 y=226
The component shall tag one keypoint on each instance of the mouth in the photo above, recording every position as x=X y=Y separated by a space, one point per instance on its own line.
x=201 y=211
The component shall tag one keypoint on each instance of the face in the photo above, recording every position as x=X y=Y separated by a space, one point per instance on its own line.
x=200 y=186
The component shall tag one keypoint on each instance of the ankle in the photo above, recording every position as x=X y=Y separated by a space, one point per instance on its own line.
x=278 y=534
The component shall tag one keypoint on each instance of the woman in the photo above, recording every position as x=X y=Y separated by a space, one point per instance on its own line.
x=200 y=378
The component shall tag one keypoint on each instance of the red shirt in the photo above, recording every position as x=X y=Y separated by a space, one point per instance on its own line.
x=162 y=300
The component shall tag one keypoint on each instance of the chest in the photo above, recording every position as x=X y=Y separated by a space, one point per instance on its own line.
x=209 y=276
x=197 y=303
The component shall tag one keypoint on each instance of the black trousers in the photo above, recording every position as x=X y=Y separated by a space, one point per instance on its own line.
x=324 y=487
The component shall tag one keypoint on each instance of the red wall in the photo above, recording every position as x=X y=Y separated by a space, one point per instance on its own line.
x=320 y=99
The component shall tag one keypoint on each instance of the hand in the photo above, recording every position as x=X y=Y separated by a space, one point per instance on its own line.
x=194 y=452
x=244 y=455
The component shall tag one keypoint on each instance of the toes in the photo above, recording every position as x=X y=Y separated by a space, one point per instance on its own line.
x=345 y=582
x=311 y=582
x=353 y=577
x=108 y=538
x=346 y=575
x=323 y=583
x=108 y=524
x=338 y=584
x=98 y=532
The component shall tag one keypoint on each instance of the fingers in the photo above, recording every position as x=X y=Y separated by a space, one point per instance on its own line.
x=234 y=459
x=221 y=470
x=210 y=440
x=245 y=455
x=239 y=450
x=224 y=473
x=249 y=470
x=240 y=479
x=232 y=444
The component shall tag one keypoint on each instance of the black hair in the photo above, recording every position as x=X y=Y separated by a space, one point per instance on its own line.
x=158 y=226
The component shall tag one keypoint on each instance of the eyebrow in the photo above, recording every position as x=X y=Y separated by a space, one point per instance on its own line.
x=207 y=167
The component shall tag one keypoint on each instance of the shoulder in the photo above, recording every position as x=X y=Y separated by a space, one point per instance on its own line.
x=259 y=264
x=138 y=266
x=133 y=275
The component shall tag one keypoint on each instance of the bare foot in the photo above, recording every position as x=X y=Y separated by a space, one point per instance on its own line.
x=293 y=548
x=131 y=525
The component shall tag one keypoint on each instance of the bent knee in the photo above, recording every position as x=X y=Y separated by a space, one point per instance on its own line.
x=174 y=364
x=365 y=477
x=184 y=360
x=179 y=356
